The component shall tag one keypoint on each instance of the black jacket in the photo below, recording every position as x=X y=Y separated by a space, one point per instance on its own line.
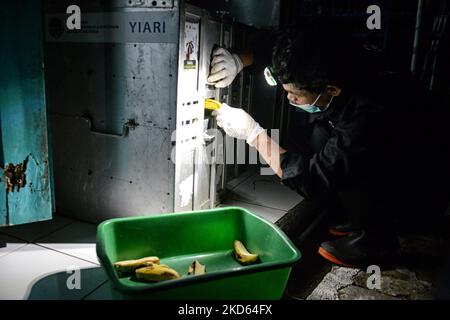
x=388 y=138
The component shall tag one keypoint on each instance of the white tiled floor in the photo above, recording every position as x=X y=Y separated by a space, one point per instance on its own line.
x=77 y=239
x=266 y=191
x=11 y=244
x=33 y=231
x=38 y=270
x=91 y=280
x=23 y=268
x=272 y=215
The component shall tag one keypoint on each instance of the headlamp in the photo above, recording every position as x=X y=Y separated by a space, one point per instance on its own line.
x=270 y=79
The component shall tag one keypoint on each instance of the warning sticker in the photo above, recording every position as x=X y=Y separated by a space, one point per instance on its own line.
x=191 y=45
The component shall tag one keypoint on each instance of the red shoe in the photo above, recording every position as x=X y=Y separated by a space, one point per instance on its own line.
x=341 y=229
x=360 y=250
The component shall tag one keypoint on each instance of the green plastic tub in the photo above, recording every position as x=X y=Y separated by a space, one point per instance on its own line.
x=207 y=236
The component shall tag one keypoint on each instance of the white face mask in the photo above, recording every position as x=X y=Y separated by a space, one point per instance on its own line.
x=312 y=108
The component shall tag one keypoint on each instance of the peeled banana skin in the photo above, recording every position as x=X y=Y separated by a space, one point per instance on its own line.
x=156 y=272
x=242 y=255
x=196 y=269
x=130 y=266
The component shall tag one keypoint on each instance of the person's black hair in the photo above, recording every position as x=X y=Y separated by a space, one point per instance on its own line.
x=314 y=55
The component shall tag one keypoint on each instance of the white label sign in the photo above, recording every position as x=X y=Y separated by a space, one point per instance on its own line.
x=116 y=27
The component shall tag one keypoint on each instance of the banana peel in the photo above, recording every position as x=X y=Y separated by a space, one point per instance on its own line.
x=196 y=269
x=130 y=266
x=156 y=272
x=242 y=255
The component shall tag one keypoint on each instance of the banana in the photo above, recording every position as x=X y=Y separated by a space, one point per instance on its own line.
x=131 y=265
x=196 y=269
x=242 y=255
x=156 y=272
x=211 y=104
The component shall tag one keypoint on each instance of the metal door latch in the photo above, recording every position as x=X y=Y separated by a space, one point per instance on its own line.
x=130 y=124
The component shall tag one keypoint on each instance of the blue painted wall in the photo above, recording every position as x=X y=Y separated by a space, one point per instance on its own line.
x=23 y=113
x=2 y=182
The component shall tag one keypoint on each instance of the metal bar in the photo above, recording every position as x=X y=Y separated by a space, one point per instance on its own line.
x=441 y=27
x=417 y=36
x=387 y=24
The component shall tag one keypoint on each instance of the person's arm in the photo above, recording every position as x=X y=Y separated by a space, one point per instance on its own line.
x=345 y=157
x=239 y=124
x=246 y=57
x=270 y=151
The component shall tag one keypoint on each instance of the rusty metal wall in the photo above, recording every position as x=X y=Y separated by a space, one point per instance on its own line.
x=129 y=125
x=113 y=110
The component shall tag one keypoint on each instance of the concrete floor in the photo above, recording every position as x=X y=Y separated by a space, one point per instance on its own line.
x=421 y=272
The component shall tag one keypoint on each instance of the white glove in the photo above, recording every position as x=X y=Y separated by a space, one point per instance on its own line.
x=238 y=124
x=224 y=68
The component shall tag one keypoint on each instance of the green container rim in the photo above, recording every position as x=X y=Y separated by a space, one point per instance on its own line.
x=170 y=284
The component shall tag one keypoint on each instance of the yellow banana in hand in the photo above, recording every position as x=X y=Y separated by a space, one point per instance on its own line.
x=156 y=272
x=131 y=265
x=211 y=104
x=242 y=255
